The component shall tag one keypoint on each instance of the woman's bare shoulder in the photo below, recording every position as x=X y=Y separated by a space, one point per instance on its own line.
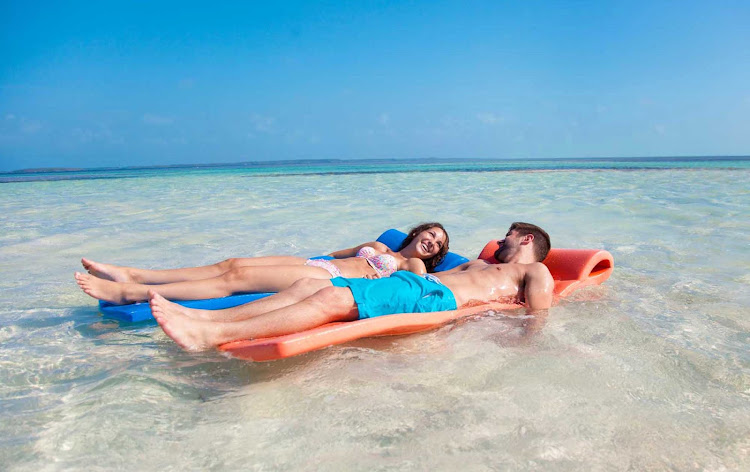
x=378 y=246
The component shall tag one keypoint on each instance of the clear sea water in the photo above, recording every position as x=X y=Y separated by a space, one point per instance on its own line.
x=650 y=371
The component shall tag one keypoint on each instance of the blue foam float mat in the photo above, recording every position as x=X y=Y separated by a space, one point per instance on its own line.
x=134 y=312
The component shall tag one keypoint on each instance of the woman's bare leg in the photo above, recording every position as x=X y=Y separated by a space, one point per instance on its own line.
x=324 y=306
x=243 y=279
x=126 y=274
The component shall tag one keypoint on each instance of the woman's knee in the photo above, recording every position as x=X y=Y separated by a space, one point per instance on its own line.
x=236 y=276
x=227 y=264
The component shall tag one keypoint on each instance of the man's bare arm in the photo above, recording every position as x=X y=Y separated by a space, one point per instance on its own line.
x=538 y=287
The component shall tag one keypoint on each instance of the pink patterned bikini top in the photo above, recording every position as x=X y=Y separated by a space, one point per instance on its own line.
x=384 y=264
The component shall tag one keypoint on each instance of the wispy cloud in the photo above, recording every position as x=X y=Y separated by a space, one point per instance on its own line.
x=101 y=133
x=490 y=118
x=384 y=119
x=157 y=120
x=262 y=124
x=19 y=127
x=303 y=136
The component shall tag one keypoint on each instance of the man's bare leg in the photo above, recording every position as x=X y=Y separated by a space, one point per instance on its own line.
x=126 y=274
x=243 y=279
x=296 y=293
x=324 y=306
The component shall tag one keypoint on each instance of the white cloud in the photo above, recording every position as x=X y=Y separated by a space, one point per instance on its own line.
x=101 y=133
x=263 y=124
x=303 y=136
x=157 y=120
x=489 y=118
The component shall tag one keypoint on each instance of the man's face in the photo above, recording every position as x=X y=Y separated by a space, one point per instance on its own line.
x=508 y=246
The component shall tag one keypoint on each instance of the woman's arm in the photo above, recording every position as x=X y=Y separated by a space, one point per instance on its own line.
x=414 y=265
x=352 y=251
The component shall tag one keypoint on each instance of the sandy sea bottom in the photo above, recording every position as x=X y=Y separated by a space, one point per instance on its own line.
x=647 y=372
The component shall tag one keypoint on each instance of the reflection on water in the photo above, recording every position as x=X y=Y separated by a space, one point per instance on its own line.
x=649 y=371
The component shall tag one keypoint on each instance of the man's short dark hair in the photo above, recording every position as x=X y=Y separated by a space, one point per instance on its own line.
x=542 y=242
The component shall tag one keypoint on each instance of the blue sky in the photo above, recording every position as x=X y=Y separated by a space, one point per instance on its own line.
x=90 y=84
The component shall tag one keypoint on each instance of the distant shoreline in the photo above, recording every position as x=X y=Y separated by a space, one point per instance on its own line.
x=427 y=160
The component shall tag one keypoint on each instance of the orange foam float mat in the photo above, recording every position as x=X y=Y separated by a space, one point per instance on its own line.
x=571 y=269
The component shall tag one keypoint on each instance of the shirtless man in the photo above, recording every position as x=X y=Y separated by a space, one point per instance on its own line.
x=309 y=303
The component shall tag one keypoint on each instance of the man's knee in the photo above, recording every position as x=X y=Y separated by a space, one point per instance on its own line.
x=308 y=286
x=337 y=300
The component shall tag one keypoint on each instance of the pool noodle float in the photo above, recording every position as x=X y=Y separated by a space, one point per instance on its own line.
x=135 y=312
x=571 y=270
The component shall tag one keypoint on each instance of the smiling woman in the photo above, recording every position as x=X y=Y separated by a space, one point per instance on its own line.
x=423 y=249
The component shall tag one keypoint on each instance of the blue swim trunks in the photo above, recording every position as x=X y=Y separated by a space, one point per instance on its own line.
x=402 y=292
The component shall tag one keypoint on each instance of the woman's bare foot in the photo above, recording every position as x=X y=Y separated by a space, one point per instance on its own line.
x=101 y=289
x=107 y=271
x=191 y=334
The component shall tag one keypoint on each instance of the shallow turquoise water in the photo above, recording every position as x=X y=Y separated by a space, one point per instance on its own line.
x=649 y=371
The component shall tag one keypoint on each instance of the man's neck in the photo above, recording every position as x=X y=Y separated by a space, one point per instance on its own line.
x=520 y=258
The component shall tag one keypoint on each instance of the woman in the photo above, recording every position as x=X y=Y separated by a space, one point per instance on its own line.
x=423 y=249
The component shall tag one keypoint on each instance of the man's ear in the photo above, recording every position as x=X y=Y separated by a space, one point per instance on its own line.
x=527 y=239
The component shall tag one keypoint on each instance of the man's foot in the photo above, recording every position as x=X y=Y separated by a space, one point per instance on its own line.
x=191 y=334
x=101 y=289
x=194 y=313
x=107 y=271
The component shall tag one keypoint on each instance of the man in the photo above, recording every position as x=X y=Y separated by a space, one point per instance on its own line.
x=520 y=275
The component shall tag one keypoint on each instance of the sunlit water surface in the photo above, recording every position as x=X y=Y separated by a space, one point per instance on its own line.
x=648 y=371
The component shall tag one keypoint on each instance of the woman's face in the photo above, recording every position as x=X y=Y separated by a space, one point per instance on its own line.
x=429 y=242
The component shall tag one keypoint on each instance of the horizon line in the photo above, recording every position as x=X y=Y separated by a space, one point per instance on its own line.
x=283 y=162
